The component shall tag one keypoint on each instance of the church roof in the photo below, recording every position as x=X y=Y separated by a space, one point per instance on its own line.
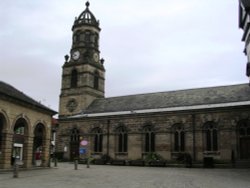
x=11 y=92
x=237 y=94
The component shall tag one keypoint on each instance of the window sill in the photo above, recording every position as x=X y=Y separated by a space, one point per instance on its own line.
x=121 y=153
x=211 y=153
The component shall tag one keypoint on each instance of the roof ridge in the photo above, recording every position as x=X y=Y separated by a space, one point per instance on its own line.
x=21 y=95
x=172 y=91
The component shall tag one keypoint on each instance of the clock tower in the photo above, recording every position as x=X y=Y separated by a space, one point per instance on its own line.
x=83 y=74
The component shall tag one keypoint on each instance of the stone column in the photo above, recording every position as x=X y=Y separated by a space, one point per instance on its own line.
x=28 y=152
x=5 y=157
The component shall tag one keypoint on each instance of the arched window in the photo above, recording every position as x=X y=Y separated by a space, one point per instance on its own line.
x=96 y=80
x=74 y=137
x=1 y=132
x=179 y=137
x=74 y=78
x=98 y=137
x=211 y=136
x=244 y=128
x=38 y=143
x=244 y=139
x=122 y=137
x=19 y=150
x=149 y=139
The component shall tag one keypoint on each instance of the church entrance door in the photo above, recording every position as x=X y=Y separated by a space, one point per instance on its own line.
x=74 y=150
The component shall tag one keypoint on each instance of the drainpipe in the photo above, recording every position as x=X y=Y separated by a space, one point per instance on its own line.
x=194 y=137
x=108 y=126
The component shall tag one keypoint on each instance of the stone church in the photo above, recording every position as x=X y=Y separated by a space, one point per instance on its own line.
x=210 y=124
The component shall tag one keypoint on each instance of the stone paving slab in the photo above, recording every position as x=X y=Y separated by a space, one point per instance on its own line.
x=127 y=177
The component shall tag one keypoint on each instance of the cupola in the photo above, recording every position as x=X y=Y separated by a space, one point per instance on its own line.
x=86 y=18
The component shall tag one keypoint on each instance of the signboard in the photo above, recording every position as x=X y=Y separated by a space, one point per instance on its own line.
x=84 y=143
x=82 y=150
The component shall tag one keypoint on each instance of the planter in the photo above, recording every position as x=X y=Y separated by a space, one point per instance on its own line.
x=100 y=162
x=137 y=163
x=118 y=162
x=157 y=163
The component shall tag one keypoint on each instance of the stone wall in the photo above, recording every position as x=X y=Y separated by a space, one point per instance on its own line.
x=193 y=121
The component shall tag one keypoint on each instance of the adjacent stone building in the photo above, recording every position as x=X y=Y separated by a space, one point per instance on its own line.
x=24 y=129
x=204 y=123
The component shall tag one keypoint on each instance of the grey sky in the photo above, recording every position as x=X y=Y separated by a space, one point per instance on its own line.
x=148 y=46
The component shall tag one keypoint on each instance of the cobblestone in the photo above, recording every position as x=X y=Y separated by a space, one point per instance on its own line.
x=126 y=177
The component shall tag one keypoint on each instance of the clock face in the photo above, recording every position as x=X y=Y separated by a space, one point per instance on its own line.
x=76 y=55
x=96 y=57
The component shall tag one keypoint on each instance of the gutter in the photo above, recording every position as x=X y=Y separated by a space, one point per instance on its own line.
x=169 y=109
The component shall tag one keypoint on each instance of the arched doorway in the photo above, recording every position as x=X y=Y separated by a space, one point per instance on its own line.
x=38 y=144
x=244 y=139
x=74 y=143
x=19 y=149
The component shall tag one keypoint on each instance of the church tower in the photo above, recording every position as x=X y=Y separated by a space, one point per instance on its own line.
x=83 y=74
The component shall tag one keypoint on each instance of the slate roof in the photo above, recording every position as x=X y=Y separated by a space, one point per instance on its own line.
x=190 y=97
x=10 y=91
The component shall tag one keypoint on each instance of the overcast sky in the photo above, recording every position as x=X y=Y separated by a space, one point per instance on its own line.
x=148 y=46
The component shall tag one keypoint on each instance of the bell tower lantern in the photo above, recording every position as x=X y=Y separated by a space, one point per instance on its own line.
x=83 y=72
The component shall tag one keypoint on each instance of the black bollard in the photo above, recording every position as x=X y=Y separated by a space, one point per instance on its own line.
x=76 y=164
x=15 y=171
x=88 y=163
x=55 y=162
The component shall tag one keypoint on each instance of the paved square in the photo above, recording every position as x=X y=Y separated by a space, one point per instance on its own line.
x=127 y=177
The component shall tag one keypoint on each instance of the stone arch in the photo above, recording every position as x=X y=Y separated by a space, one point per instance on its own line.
x=25 y=119
x=21 y=133
x=5 y=121
x=3 y=129
x=39 y=143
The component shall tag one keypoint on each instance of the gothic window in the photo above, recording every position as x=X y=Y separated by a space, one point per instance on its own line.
x=149 y=139
x=244 y=139
x=122 y=137
x=98 y=138
x=179 y=138
x=74 y=78
x=74 y=136
x=244 y=128
x=96 y=80
x=211 y=136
